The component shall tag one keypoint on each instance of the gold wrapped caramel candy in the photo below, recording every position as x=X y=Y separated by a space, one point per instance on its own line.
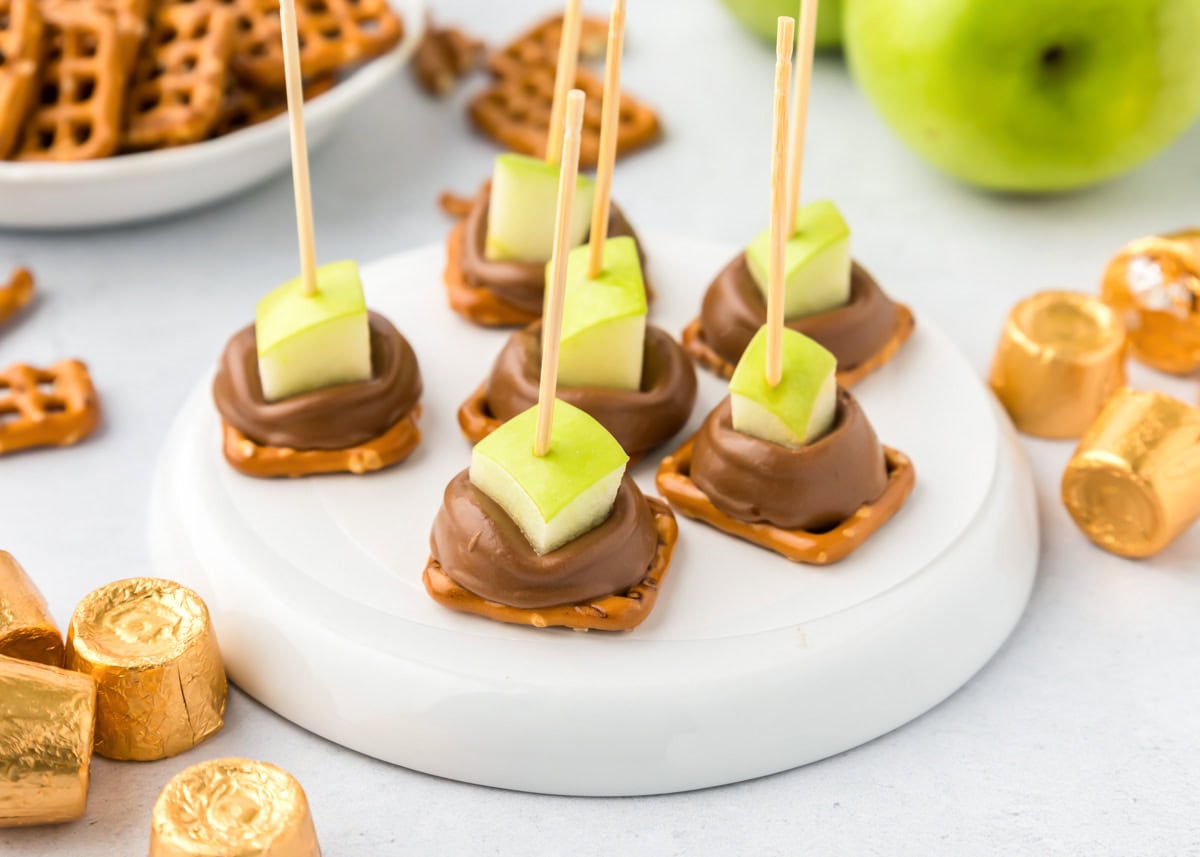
x=150 y=646
x=46 y=719
x=1060 y=357
x=27 y=630
x=233 y=808
x=1154 y=284
x=1133 y=485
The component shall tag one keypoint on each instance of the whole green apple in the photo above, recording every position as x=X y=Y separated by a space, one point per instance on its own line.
x=760 y=16
x=1030 y=95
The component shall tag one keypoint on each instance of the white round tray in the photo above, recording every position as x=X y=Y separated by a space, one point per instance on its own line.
x=127 y=188
x=748 y=665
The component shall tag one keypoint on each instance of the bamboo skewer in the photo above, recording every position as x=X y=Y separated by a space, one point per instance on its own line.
x=301 y=186
x=805 y=42
x=555 y=288
x=780 y=229
x=564 y=79
x=610 y=118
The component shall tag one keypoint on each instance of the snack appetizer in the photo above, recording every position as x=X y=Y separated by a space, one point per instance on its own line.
x=788 y=461
x=632 y=377
x=827 y=296
x=545 y=528
x=317 y=384
x=496 y=254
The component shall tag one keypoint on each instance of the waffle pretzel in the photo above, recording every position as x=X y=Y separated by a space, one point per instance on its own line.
x=674 y=482
x=391 y=447
x=444 y=57
x=46 y=407
x=77 y=113
x=179 y=82
x=471 y=302
x=16 y=294
x=539 y=45
x=20 y=50
x=333 y=34
x=515 y=111
x=132 y=19
x=244 y=105
x=705 y=356
x=619 y=612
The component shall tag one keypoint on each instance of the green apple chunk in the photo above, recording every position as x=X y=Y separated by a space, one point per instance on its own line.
x=1030 y=96
x=557 y=497
x=797 y=410
x=309 y=342
x=604 y=320
x=816 y=261
x=524 y=199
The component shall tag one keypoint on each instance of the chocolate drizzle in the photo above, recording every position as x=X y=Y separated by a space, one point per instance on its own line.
x=481 y=549
x=519 y=284
x=812 y=488
x=639 y=420
x=734 y=310
x=330 y=418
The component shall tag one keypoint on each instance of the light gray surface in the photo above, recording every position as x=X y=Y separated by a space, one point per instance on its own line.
x=1081 y=737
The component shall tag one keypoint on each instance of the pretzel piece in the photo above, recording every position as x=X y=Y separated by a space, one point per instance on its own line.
x=619 y=612
x=20 y=52
x=244 y=105
x=539 y=45
x=57 y=406
x=444 y=57
x=179 y=83
x=674 y=482
x=334 y=34
x=267 y=462
x=77 y=113
x=515 y=111
x=16 y=294
x=704 y=355
x=473 y=303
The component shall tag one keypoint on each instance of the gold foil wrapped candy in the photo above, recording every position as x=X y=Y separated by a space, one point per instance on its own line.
x=150 y=646
x=46 y=719
x=1154 y=283
x=27 y=630
x=1133 y=485
x=233 y=808
x=1060 y=357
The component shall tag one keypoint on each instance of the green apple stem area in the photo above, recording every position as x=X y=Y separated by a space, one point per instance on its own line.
x=306 y=342
x=797 y=410
x=557 y=497
x=1020 y=96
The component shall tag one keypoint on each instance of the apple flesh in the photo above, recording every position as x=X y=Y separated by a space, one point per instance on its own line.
x=759 y=16
x=1030 y=95
x=816 y=261
x=604 y=320
x=797 y=410
x=309 y=342
x=555 y=498
x=524 y=198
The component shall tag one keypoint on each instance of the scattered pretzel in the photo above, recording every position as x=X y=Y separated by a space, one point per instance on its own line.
x=539 y=45
x=445 y=56
x=16 y=294
x=46 y=407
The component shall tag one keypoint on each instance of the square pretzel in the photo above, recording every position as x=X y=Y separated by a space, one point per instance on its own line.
x=540 y=43
x=619 y=612
x=674 y=481
x=57 y=406
x=20 y=51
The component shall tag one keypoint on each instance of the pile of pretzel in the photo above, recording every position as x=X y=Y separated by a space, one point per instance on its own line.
x=83 y=79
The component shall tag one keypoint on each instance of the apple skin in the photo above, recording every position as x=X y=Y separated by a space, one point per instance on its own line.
x=1030 y=95
x=760 y=17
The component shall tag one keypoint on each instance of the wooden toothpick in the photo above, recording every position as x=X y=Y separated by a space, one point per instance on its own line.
x=557 y=285
x=780 y=229
x=294 y=83
x=611 y=114
x=805 y=42
x=564 y=79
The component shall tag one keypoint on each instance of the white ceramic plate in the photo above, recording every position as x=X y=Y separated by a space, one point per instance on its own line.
x=150 y=184
x=749 y=664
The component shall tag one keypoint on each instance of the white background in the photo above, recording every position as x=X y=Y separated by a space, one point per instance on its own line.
x=1081 y=737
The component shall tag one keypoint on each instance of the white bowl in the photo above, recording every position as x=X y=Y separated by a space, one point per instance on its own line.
x=40 y=195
